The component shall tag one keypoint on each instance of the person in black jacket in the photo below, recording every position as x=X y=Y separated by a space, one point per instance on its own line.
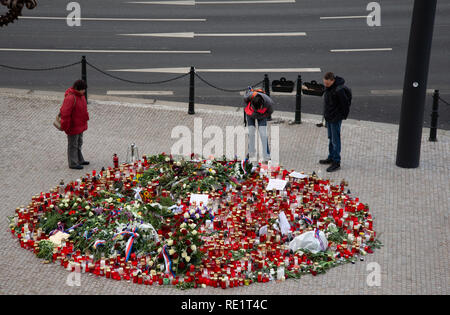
x=336 y=106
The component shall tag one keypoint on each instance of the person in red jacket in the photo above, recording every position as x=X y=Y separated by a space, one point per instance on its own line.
x=74 y=118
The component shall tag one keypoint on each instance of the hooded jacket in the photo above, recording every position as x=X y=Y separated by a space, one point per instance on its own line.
x=333 y=99
x=74 y=113
x=265 y=111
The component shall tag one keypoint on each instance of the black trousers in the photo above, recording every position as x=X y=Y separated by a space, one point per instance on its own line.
x=75 y=142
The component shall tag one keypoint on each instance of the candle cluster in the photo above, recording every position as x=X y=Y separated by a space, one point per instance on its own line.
x=141 y=222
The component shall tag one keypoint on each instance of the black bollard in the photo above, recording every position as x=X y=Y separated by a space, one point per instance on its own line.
x=191 y=110
x=434 y=116
x=84 y=74
x=298 y=101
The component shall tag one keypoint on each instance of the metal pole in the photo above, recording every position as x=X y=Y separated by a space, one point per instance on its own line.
x=298 y=101
x=434 y=116
x=415 y=84
x=191 y=91
x=84 y=74
x=266 y=85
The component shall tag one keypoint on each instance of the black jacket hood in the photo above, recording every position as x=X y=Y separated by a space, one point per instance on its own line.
x=338 y=81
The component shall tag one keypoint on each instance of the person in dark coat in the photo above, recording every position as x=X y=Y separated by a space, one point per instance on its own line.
x=74 y=121
x=258 y=107
x=335 y=100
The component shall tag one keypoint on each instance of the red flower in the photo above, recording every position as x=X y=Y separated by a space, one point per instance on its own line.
x=181 y=265
x=188 y=242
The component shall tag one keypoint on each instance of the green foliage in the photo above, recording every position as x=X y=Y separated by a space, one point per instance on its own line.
x=45 y=250
x=50 y=221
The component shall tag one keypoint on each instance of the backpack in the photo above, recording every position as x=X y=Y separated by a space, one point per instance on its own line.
x=249 y=110
x=348 y=94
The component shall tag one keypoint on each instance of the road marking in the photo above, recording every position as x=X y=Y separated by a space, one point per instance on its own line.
x=139 y=93
x=187 y=69
x=361 y=50
x=112 y=19
x=109 y=51
x=212 y=2
x=275 y=93
x=192 y=34
x=164 y=2
x=343 y=17
x=394 y=92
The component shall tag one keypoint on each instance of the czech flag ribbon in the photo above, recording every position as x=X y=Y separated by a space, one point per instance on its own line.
x=129 y=245
x=168 y=261
x=99 y=242
x=317 y=235
x=307 y=220
x=243 y=162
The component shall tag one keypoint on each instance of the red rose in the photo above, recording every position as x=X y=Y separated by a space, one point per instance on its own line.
x=189 y=250
x=188 y=242
x=181 y=265
x=184 y=232
x=175 y=256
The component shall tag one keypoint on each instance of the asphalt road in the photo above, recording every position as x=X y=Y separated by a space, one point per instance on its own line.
x=376 y=77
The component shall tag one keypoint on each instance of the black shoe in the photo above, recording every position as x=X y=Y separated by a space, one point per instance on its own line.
x=84 y=163
x=334 y=167
x=76 y=167
x=327 y=161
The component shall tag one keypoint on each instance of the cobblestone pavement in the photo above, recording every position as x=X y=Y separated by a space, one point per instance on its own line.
x=410 y=206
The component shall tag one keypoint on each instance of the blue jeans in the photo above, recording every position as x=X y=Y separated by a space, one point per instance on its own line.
x=334 y=136
x=262 y=129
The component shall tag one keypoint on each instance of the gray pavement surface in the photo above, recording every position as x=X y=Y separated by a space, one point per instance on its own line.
x=365 y=72
x=410 y=206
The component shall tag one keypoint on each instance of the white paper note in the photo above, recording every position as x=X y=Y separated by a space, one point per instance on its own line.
x=298 y=175
x=277 y=184
x=199 y=198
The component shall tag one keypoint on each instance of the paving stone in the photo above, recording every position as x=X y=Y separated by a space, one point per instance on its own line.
x=410 y=206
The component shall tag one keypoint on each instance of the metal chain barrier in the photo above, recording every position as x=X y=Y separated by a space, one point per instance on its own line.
x=225 y=90
x=135 y=82
x=41 y=69
x=443 y=101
